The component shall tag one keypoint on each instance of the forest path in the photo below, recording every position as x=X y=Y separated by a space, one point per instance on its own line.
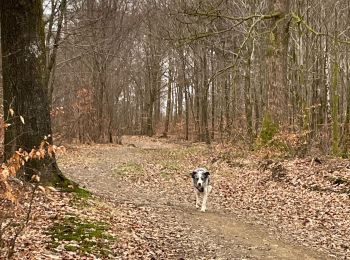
x=147 y=182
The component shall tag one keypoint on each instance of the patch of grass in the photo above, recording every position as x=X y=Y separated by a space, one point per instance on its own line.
x=172 y=166
x=230 y=156
x=169 y=168
x=154 y=153
x=176 y=153
x=81 y=236
x=71 y=247
x=184 y=152
x=165 y=175
x=128 y=167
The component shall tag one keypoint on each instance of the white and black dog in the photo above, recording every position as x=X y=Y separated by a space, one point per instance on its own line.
x=201 y=182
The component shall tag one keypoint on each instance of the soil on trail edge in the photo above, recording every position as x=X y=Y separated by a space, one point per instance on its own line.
x=147 y=183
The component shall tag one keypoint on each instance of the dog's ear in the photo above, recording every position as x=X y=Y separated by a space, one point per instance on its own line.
x=193 y=173
x=206 y=174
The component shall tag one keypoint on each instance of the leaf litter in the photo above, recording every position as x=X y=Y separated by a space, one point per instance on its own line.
x=150 y=211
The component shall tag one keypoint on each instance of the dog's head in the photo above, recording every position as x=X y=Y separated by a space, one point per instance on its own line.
x=200 y=177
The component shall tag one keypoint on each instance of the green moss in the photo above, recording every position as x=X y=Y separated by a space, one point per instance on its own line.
x=279 y=144
x=65 y=184
x=79 y=193
x=82 y=193
x=81 y=196
x=70 y=186
x=71 y=247
x=85 y=236
x=268 y=130
x=128 y=167
x=345 y=154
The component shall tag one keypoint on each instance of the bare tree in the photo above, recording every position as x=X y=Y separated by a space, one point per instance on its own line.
x=25 y=101
x=237 y=68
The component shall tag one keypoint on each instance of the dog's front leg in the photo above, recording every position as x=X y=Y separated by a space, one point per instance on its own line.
x=207 y=190
x=197 y=199
x=204 y=202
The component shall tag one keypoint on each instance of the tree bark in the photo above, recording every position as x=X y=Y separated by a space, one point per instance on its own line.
x=197 y=94
x=51 y=57
x=187 y=105
x=205 y=135
x=168 y=102
x=23 y=59
x=213 y=100
x=247 y=93
x=277 y=61
x=335 y=96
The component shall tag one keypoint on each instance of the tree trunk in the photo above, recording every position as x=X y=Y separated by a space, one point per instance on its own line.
x=185 y=89
x=213 y=85
x=277 y=62
x=197 y=94
x=51 y=56
x=187 y=113
x=247 y=94
x=205 y=136
x=23 y=59
x=180 y=101
x=345 y=148
x=335 y=96
x=227 y=104
x=150 y=130
x=168 y=102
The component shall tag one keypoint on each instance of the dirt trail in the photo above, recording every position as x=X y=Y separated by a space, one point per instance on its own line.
x=152 y=177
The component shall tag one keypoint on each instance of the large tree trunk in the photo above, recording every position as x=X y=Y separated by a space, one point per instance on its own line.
x=23 y=59
x=277 y=62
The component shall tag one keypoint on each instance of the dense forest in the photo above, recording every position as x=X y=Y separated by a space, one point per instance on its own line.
x=200 y=70
x=188 y=129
